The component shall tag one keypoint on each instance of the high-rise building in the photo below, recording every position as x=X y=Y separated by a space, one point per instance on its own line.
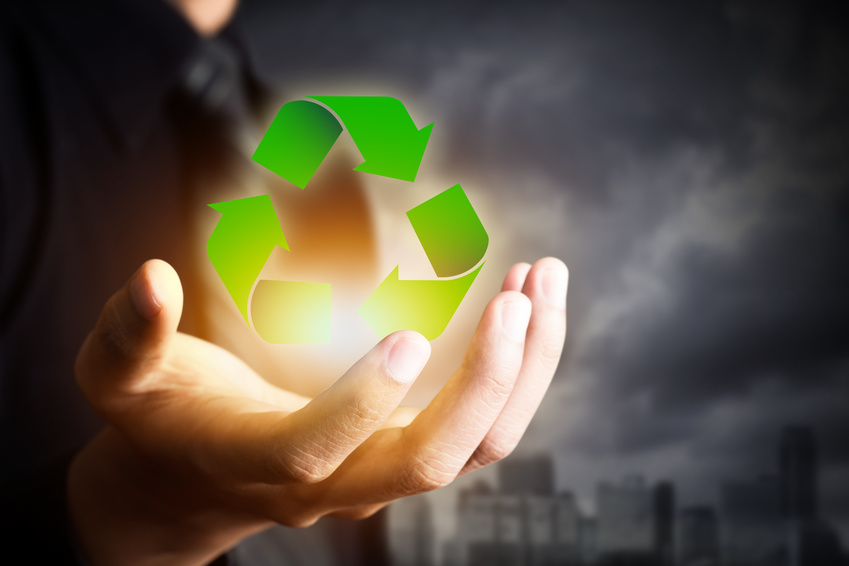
x=798 y=466
x=588 y=540
x=476 y=517
x=752 y=531
x=523 y=524
x=411 y=536
x=814 y=543
x=664 y=522
x=533 y=475
x=490 y=527
x=625 y=522
x=567 y=521
x=552 y=530
x=809 y=540
x=454 y=552
x=539 y=522
x=697 y=537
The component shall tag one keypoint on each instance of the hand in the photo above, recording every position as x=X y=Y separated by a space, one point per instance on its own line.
x=202 y=452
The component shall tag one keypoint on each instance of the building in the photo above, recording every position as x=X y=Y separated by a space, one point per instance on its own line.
x=809 y=541
x=532 y=475
x=626 y=531
x=588 y=541
x=539 y=517
x=552 y=530
x=411 y=536
x=496 y=533
x=453 y=552
x=814 y=543
x=798 y=472
x=490 y=528
x=752 y=531
x=697 y=537
x=522 y=524
x=664 y=523
x=567 y=529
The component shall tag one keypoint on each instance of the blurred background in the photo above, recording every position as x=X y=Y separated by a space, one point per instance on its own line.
x=690 y=163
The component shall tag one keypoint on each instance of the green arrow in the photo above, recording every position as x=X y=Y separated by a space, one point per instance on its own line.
x=389 y=140
x=423 y=306
x=297 y=141
x=241 y=242
x=450 y=232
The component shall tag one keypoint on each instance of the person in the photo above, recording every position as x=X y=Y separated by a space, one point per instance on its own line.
x=148 y=444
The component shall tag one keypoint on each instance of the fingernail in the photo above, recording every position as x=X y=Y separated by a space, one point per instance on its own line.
x=554 y=286
x=407 y=358
x=515 y=316
x=143 y=299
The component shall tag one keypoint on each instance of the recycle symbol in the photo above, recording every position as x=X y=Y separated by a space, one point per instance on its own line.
x=294 y=146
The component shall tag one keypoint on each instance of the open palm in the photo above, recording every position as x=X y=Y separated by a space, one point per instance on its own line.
x=207 y=452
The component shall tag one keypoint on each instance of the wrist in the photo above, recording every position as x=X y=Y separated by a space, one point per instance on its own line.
x=126 y=509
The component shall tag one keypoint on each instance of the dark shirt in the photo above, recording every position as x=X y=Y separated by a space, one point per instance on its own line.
x=112 y=126
x=90 y=181
x=96 y=150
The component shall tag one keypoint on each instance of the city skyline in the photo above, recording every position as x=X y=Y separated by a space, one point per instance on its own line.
x=759 y=519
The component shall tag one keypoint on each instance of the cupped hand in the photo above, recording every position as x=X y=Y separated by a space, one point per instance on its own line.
x=200 y=451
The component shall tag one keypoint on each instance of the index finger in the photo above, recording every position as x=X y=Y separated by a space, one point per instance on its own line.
x=309 y=444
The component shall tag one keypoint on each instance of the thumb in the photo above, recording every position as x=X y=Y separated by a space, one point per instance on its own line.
x=134 y=331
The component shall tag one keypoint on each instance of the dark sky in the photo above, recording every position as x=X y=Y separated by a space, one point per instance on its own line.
x=690 y=162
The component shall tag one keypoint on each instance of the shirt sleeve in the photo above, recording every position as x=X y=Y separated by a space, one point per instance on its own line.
x=34 y=515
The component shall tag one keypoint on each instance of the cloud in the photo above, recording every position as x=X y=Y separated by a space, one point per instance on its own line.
x=698 y=192
x=690 y=164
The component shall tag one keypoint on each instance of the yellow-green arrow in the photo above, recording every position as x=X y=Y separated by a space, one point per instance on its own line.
x=455 y=240
x=291 y=312
x=425 y=306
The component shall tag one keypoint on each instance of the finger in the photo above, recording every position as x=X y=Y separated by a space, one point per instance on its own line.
x=546 y=285
x=430 y=452
x=358 y=512
x=133 y=331
x=401 y=417
x=462 y=412
x=515 y=277
x=309 y=444
x=434 y=447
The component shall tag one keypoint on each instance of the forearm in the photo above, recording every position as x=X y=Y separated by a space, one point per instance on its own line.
x=126 y=510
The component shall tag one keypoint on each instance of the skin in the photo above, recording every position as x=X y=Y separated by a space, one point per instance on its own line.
x=201 y=452
x=206 y=16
